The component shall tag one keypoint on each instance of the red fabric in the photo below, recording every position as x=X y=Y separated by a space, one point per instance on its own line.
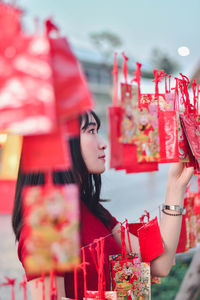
x=7 y=188
x=91 y=228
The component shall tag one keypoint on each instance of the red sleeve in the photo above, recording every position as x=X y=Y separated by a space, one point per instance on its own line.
x=111 y=221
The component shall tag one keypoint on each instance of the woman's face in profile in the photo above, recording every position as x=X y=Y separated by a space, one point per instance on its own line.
x=92 y=147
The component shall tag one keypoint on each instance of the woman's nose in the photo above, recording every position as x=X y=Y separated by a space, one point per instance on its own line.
x=102 y=144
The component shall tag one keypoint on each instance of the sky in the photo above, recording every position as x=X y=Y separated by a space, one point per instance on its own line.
x=142 y=25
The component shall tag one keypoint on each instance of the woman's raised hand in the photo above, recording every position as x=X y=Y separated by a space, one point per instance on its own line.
x=179 y=176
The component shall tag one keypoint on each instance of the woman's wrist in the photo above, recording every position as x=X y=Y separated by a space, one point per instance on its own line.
x=175 y=194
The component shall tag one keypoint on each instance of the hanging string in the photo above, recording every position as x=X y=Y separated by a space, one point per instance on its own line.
x=115 y=80
x=23 y=284
x=125 y=67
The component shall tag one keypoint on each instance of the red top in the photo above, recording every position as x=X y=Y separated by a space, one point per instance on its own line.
x=91 y=228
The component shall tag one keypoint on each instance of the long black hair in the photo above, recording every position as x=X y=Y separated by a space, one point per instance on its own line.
x=89 y=184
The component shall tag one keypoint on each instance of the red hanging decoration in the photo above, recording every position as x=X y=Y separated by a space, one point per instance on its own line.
x=125 y=67
x=128 y=235
x=83 y=266
x=10 y=282
x=45 y=152
x=75 y=284
x=150 y=240
x=138 y=79
x=53 y=286
x=158 y=76
x=115 y=81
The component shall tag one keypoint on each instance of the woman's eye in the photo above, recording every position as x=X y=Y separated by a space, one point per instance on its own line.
x=92 y=131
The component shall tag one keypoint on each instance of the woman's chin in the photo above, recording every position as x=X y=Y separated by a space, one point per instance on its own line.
x=98 y=170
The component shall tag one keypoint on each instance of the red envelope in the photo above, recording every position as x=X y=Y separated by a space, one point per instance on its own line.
x=192 y=132
x=150 y=240
x=9 y=22
x=116 y=148
x=71 y=90
x=51 y=220
x=45 y=152
x=197 y=204
x=71 y=128
x=130 y=163
x=182 y=244
x=168 y=136
x=190 y=221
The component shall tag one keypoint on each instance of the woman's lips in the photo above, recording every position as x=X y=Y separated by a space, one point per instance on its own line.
x=103 y=157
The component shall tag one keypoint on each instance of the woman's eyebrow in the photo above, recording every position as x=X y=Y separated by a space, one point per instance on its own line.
x=92 y=124
x=89 y=124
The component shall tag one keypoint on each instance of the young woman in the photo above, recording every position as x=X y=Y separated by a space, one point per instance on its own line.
x=88 y=156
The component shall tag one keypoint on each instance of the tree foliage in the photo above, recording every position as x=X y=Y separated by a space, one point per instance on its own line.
x=170 y=285
x=162 y=61
x=105 y=42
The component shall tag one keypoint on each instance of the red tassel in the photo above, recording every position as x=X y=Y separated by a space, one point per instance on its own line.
x=11 y=282
x=115 y=80
x=92 y=251
x=176 y=102
x=194 y=90
x=23 y=284
x=124 y=252
x=183 y=85
x=128 y=235
x=53 y=286
x=158 y=77
x=138 y=80
x=147 y=214
x=169 y=77
x=84 y=271
x=198 y=90
x=50 y=26
x=124 y=67
x=75 y=284
x=100 y=258
x=166 y=91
